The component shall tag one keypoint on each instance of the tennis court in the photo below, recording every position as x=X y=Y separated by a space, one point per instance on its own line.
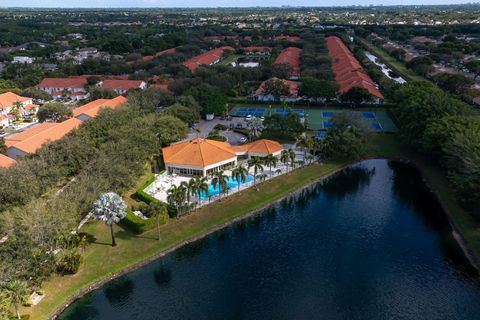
x=318 y=118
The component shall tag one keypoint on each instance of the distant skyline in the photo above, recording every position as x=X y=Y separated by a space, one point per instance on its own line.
x=211 y=3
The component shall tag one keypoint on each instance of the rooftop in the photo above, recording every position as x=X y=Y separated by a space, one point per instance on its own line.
x=262 y=146
x=93 y=108
x=348 y=71
x=198 y=152
x=6 y=162
x=121 y=84
x=206 y=58
x=7 y=99
x=63 y=83
x=292 y=87
x=36 y=136
x=290 y=56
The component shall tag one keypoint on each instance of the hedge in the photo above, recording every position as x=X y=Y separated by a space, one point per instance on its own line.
x=142 y=195
x=139 y=225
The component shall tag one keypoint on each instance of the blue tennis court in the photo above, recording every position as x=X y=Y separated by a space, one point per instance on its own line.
x=327 y=114
x=377 y=127
x=321 y=135
x=368 y=115
x=327 y=124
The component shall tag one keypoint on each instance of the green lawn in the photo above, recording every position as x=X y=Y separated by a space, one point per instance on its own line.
x=102 y=261
x=390 y=61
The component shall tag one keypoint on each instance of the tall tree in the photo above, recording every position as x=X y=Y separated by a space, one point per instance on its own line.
x=110 y=208
x=220 y=179
x=270 y=161
x=54 y=111
x=257 y=164
x=239 y=173
x=17 y=294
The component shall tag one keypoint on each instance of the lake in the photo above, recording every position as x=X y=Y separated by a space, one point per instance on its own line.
x=370 y=242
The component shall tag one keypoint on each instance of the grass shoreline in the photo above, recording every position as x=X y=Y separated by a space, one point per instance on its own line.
x=103 y=263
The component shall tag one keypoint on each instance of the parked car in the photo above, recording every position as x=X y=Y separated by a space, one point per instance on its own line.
x=243 y=140
x=249 y=118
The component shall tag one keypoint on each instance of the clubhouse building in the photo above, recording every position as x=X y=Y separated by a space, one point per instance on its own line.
x=203 y=157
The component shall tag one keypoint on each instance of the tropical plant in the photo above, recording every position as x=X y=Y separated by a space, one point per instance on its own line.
x=270 y=161
x=291 y=155
x=17 y=292
x=157 y=209
x=176 y=196
x=110 y=208
x=201 y=186
x=239 y=174
x=255 y=127
x=190 y=188
x=262 y=177
x=285 y=158
x=220 y=179
x=257 y=164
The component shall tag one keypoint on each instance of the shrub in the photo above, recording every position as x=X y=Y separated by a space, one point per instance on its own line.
x=220 y=127
x=217 y=138
x=69 y=262
x=139 y=225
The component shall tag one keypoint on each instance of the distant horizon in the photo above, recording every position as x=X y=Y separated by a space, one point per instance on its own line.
x=221 y=4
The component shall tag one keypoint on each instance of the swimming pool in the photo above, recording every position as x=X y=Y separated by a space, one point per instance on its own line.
x=231 y=184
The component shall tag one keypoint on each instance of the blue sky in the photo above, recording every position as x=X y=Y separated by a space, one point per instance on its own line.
x=208 y=3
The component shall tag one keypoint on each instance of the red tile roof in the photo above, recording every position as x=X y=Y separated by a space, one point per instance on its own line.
x=70 y=83
x=198 y=153
x=93 y=108
x=287 y=38
x=206 y=58
x=121 y=84
x=257 y=49
x=262 y=147
x=7 y=99
x=347 y=69
x=33 y=138
x=6 y=162
x=290 y=56
x=292 y=87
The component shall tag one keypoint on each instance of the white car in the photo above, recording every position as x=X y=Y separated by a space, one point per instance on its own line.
x=243 y=140
x=249 y=118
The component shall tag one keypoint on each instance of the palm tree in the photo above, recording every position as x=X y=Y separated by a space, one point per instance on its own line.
x=157 y=209
x=291 y=155
x=200 y=185
x=278 y=171
x=270 y=161
x=176 y=196
x=17 y=293
x=220 y=179
x=257 y=164
x=305 y=142
x=110 y=209
x=190 y=187
x=284 y=157
x=240 y=175
x=17 y=110
x=262 y=177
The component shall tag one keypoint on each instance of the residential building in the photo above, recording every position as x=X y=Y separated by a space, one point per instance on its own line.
x=6 y=162
x=92 y=109
x=293 y=39
x=348 y=71
x=208 y=58
x=203 y=156
x=262 y=51
x=22 y=59
x=292 y=96
x=122 y=86
x=59 y=88
x=33 y=138
x=8 y=112
x=290 y=56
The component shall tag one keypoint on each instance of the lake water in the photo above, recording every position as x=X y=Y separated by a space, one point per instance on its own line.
x=369 y=243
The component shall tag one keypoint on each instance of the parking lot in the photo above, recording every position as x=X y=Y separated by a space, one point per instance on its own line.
x=205 y=127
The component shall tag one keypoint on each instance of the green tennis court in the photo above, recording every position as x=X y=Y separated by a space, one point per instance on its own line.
x=318 y=118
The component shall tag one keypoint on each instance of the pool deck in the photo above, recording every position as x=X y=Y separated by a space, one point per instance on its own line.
x=164 y=181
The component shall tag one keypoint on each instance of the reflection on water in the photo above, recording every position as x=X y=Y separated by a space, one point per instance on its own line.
x=119 y=290
x=162 y=275
x=369 y=243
